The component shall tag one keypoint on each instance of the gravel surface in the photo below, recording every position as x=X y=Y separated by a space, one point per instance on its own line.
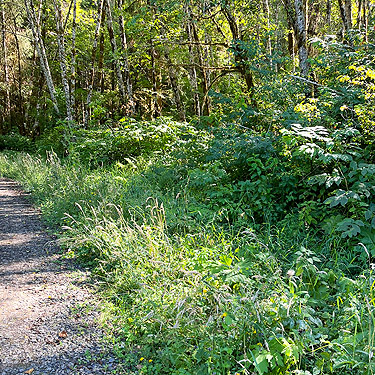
x=47 y=312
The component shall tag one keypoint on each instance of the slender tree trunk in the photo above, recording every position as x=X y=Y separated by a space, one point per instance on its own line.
x=62 y=58
x=301 y=38
x=291 y=44
x=193 y=71
x=359 y=14
x=346 y=18
x=112 y=40
x=297 y=19
x=100 y=78
x=266 y=11
x=348 y=9
x=125 y=61
x=155 y=104
x=39 y=45
x=366 y=11
x=329 y=13
x=198 y=49
x=174 y=84
x=5 y=60
x=208 y=59
x=239 y=53
x=93 y=56
x=73 y=62
x=313 y=21
x=291 y=41
x=20 y=102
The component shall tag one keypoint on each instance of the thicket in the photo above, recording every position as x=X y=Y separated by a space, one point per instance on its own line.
x=236 y=243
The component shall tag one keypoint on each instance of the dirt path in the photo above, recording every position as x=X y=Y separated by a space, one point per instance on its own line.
x=47 y=313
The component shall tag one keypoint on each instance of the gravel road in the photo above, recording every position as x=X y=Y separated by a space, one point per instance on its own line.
x=48 y=315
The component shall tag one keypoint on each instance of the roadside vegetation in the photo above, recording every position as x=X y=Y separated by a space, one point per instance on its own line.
x=221 y=249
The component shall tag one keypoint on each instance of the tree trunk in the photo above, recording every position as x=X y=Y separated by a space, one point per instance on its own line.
x=125 y=61
x=73 y=63
x=62 y=58
x=193 y=71
x=155 y=102
x=112 y=40
x=174 y=84
x=101 y=79
x=345 y=17
x=93 y=56
x=5 y=61
x=155 y=107
x=205 y=107
x=300 y=29
x=19 y=102
x=291 y=41
x=266 y=11
x=208 y=59
x=297 y=19
x=366 y=12
x=313 y=21
x=348 y=9
x=329 y=13
x=239 y=54
x=39 y=45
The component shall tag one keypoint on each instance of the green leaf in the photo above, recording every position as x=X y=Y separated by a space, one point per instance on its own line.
x=261 y=363
x=350 y=227
x=339 y=198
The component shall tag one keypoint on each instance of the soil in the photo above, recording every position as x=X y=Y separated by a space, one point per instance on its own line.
x=48 y=314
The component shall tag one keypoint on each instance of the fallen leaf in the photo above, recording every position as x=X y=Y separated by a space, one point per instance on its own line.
x=52 y=341
x=63 y=334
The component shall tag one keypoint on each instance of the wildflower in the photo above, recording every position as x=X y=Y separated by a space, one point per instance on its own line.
x=224 y=315
x=291 y=273
x=141 y=359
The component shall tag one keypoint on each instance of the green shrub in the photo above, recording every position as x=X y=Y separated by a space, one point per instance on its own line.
x=16 y=142
x=130 y=140
x=55 y=140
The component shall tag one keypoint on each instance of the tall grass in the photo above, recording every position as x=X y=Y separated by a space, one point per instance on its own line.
x=191 y=297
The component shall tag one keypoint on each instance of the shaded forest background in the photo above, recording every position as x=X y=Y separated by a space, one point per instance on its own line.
x=86 y=63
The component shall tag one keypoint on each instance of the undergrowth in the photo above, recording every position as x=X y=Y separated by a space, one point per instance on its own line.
x=190 y=289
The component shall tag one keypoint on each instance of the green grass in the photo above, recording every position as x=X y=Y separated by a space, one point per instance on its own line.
x=189 y=291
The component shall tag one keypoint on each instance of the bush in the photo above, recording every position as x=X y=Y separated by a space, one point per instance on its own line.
x=131 y=139
x=53 y=140
x=16 y=142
